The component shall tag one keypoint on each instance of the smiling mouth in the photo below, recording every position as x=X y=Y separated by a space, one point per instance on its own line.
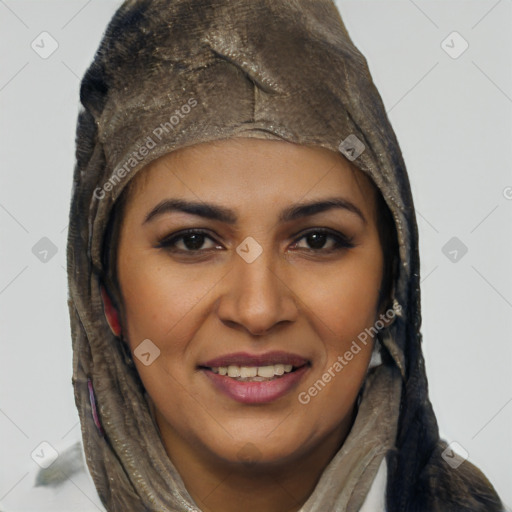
x=254 y=373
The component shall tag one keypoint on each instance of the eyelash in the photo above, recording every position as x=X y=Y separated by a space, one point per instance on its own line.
x=341 y=241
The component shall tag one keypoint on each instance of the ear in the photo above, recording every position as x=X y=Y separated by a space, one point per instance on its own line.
x=111 y=313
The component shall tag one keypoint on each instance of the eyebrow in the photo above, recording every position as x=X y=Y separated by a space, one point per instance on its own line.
x=222 y=214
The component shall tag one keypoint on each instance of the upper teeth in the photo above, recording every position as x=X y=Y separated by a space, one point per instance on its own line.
x=253 y=371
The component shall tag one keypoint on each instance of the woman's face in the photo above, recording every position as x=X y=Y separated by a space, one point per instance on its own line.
x=247 y=256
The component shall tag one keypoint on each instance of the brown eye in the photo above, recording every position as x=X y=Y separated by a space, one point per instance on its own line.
x=191 y=241
x=317 y=239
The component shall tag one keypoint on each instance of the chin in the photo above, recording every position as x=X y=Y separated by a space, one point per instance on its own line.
x=260 y=454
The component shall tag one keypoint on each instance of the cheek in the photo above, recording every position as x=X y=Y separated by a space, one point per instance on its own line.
x=159 y=306
x=160 y=299
x=346 y=300
x=344 y=307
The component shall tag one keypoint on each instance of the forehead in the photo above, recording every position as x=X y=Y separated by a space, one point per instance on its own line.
x=261 y=169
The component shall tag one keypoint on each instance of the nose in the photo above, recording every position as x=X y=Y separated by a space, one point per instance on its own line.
x=256 y=296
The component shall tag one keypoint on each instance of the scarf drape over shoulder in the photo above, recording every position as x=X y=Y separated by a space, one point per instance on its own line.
x=170 y=74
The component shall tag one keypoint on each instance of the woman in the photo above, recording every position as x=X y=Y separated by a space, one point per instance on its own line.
x=244 y=272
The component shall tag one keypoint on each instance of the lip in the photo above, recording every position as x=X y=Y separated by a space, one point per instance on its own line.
x=246 y=359
x=256 y=392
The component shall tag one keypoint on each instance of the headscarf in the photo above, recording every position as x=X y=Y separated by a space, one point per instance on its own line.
x=170 y=74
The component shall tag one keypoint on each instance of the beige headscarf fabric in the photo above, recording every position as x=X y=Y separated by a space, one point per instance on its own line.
x=170 y=74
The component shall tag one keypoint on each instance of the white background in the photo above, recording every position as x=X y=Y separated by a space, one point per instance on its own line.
x=453 y=119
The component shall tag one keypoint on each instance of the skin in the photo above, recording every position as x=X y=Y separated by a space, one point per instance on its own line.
x=208 y=302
